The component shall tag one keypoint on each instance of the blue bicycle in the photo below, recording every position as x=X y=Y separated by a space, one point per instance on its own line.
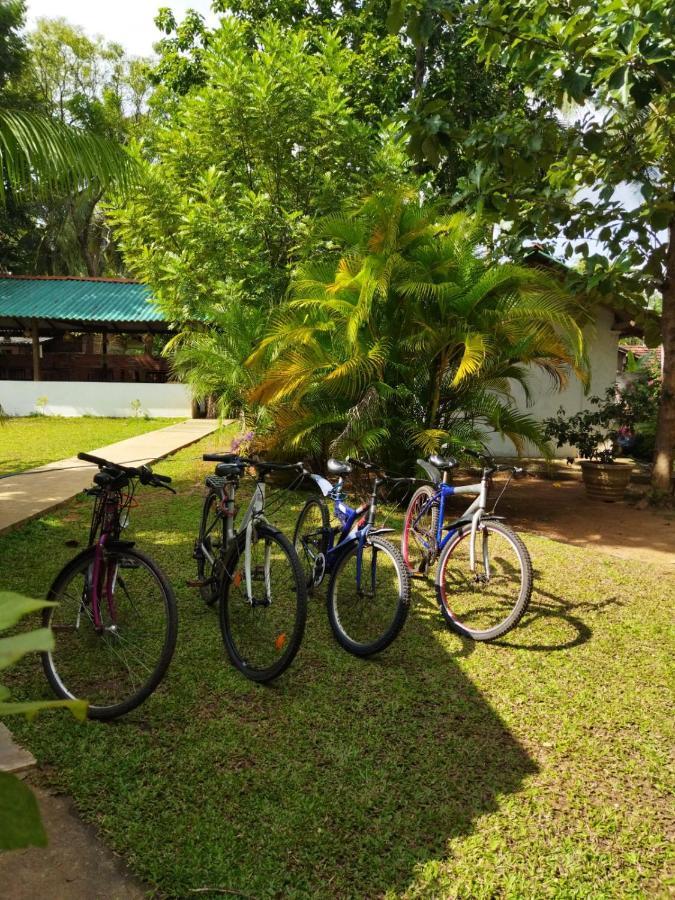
x=369 y=590
x=484 y=571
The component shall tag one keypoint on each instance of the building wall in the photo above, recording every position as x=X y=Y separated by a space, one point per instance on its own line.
x=602 y=345
x=79 y=398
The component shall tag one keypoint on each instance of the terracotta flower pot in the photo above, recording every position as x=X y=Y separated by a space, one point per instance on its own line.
x=605 y=481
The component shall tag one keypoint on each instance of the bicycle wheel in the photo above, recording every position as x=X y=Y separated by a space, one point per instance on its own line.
x=367 y=618
x=310 y=538
x=490 y=601
x=119 y=665
x=263 y=634
x=211 y=539
x=418 y=542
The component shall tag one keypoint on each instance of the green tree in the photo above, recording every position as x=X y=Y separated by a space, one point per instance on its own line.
x=410 y=331
x=91 y=86
x=236 y=169
x=611 y=68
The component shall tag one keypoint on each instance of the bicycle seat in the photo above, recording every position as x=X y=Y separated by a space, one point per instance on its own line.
x=338 y=467
x=444 y=463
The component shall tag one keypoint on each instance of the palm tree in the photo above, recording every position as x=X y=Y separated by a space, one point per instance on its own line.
x=411 y=329
x=38 y=154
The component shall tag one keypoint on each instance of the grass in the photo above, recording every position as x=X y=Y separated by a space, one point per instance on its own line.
x=37 y=440
x=535 y=767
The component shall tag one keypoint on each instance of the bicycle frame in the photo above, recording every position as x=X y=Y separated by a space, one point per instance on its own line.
x=105 y=520
x=473 y=514
x=354 y=526
x=254 y=513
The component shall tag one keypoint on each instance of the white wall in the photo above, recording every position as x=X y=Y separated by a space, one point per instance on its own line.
x=602 y=352
x=78 y=398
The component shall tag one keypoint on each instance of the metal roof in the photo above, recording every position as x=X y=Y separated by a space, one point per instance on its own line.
x=84 y=300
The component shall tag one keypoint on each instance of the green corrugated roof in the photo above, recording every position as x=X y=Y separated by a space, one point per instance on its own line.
x=77 y=299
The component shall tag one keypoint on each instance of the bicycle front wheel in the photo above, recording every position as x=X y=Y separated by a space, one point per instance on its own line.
x=263 y=631
x=310 y=539
x=491 y=600
x=118 y=665
x=418 y=542
x=209 y=548
x=369 y=597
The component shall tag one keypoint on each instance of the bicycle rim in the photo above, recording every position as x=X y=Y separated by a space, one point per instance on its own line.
x=263 y=632
x=117 y=666
x=488 y=602
x=367 y=616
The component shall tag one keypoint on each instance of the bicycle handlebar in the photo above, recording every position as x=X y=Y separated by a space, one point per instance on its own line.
x=243 y=461
x=143 y=473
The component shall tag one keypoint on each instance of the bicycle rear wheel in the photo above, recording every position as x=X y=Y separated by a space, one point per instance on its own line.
x=491 y=600
x=310 y=538
x=263 y=633
x=418 y=543
x=211 y=540
x=367 y=617
x=119 y=665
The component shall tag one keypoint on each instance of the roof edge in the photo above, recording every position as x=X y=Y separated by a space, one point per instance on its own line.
x=11 y=277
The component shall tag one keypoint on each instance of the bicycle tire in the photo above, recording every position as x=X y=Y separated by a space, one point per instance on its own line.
x=230 y=607
x=205 y=571
x=417 y=560
x=521 y=603
x=82 y=562
x=317 y=507
x=337 y=620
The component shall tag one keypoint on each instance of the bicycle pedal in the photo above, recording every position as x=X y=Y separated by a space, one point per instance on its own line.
x=200 y=584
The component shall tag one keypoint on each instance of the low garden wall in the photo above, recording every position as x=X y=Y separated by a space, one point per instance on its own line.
x=93 y=398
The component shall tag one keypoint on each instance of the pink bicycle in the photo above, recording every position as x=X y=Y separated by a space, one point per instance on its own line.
x=114 y=617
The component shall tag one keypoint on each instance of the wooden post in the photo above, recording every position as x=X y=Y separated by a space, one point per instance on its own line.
x=104 y=350
x=35 y=334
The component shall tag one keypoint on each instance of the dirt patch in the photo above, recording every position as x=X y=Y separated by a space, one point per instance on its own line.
x=562 y=511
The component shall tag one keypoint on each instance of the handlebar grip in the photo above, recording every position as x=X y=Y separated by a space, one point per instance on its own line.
x=87 y=457
x=220 y=457
x=162 y=479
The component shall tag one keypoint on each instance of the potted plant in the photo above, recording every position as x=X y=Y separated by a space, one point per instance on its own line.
x=596 y=435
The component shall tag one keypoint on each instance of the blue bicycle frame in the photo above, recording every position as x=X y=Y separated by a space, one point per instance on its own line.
x=355 y=526
x=472 y=515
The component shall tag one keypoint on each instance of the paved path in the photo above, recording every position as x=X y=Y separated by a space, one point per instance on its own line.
x=75 y=865
x=28 y=495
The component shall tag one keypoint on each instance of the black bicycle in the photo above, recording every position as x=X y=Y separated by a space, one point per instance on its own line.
x=252 y=571
x=114 y=617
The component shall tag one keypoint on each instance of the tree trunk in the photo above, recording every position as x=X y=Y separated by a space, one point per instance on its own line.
x=665 y=428
x=420 y=68
x=439 y=366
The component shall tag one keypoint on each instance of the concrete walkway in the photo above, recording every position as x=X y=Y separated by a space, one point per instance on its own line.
x=75 y=865
x=33 y=493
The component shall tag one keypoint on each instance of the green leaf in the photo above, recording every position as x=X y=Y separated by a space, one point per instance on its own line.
x=20 y=823
x=14 y=607
x=32 y=707
x=14 y=647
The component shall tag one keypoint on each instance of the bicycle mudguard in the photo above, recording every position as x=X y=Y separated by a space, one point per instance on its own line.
x=323 y=484
x=433 y=473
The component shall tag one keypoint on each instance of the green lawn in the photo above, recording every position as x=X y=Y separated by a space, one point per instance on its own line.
x=537 y=767
x=36 y=440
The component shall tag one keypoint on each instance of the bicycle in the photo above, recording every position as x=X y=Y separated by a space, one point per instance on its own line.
x=253 y=572
x=366 y=611
x=115 y=620
x=484 y=571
